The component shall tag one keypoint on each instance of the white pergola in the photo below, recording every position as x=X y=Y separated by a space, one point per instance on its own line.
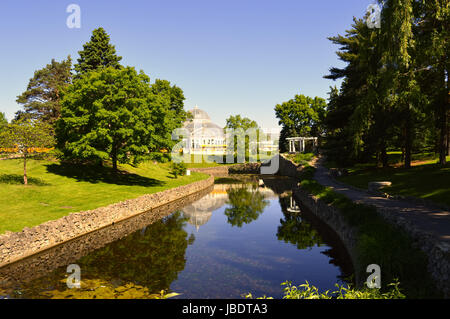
x=301 y=140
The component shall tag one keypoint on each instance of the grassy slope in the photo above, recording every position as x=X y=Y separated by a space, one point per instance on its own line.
x=56 y=190
x=428 y=180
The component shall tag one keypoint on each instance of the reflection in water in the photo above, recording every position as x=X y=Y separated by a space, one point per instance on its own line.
x=153 y=258
x=295 y=230
x=201 y=211
x=248 y=239
x=245 y=205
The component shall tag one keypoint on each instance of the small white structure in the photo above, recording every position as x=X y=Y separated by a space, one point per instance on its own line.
x=293 y=207
x=301 y=141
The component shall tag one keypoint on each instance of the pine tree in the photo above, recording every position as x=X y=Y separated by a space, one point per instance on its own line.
x=42 y=99
x=398 y=40
x=97 y=53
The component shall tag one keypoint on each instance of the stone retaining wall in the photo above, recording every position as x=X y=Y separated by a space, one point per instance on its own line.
x=288 y=168
x=16 y=246
x=216 y=171
x=438 y=252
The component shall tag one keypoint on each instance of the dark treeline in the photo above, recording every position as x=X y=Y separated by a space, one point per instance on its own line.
x=394 y=94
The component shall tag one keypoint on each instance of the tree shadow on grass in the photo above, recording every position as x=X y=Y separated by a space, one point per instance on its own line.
x=16 y=179
x=97 y=174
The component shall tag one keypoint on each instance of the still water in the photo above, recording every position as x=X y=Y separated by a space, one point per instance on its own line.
x=238 y=238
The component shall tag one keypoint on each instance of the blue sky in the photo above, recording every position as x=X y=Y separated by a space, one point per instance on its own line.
x=230 y=57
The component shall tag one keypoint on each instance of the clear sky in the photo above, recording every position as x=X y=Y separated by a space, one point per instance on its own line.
x=229 y=56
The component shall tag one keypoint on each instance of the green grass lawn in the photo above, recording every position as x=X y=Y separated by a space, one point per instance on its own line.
x=428 y=181
x=56 y=190
x=301 y=158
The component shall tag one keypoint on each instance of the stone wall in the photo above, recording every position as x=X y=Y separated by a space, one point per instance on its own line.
x=288 y=168
x=16 y=246
x=216 y=171
x=437 y=251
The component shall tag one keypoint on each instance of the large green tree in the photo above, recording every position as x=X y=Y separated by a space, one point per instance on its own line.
x=300 y=116
x=42 y=99
x=97 y=53
x=111 y=114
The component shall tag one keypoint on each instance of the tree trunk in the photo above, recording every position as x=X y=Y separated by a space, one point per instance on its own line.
x=408 y=139
x=114 y=160
x=25 y=178
x=384 y=157
x=443 y=125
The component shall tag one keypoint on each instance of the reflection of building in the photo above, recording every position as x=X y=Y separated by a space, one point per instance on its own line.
x=201 y=211
x=205 y=137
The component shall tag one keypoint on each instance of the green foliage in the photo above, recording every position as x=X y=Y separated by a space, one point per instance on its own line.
x=301 y=116
x=302 y=159
x=245 y=206
x=307 y=291
x=178 y=169
x=42 y=99
x=394 y=93
x=240 y=125
x=26 y=134
x=98 y=53
x=295 y=230
x=175 y=113
x=110 y=114
x=3 y=120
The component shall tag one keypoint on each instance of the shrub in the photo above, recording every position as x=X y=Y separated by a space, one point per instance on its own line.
x=307 y=291
x=178 y=169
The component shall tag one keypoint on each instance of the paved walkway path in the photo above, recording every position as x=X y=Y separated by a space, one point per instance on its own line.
x=431 y=220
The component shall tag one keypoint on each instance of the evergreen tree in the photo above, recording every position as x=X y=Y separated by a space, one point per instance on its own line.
x=97 y=53
x=42 y=99
x=397 y=20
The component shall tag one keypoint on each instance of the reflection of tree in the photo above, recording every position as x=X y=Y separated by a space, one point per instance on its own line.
x=151 y=258
x=246 y=206
x=298 y=232
x=142 y=263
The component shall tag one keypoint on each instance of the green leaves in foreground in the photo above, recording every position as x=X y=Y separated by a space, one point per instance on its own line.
x=307 y=291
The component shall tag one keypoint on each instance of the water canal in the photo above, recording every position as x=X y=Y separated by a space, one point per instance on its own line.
x=236 y=238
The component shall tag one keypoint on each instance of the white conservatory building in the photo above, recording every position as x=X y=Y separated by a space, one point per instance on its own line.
x=205 y=137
